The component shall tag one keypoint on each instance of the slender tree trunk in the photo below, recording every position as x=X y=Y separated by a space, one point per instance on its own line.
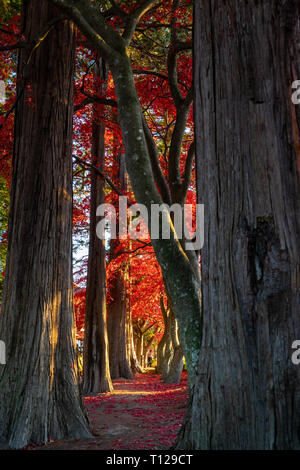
x=131 y=354
x=119 y=317
x=134 y=362
x=139 y=348
x=39 y=393
x=96 y=374
x=118 y=331
x=162 y=344
x=160 y=353
x=247 y=395
x=165 y=351
x=176 y=364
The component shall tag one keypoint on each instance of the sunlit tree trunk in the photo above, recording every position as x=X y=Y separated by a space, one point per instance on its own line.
x=139 y=344
x=118 y=330
x=176 y=364
x=39 y=393
x=247 y=394
x=96 y=373
x=134 y=363
x=164 y=352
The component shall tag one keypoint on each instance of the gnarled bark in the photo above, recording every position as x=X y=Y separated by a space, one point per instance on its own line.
x=39 y=392
x=247 y=392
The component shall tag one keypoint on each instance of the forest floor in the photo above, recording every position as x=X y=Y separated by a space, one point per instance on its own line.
x=143 y=413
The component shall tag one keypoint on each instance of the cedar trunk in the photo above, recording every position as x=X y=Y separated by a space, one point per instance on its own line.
x=119 y=315
x=247 y=394
x=96 y=373
x=39 y=393
x=118 y=330
x=176 y=364
x=164 y=352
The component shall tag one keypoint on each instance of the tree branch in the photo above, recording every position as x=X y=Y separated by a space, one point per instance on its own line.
x=92 y=99
x=95 y=27
x=134 y=18
x=155 y=165
x=187 y=171
x=17 y=45
x=102 y=175
x=176 y=144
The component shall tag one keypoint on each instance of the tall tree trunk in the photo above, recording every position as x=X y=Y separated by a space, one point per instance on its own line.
x=96 y=374
x=176 y=364
x=118 y=331
x=139 y=347
x=39 y=393
x=247 y=395
x=134 y=362
x=165 y=350
x=131 y=354
x=119 y=318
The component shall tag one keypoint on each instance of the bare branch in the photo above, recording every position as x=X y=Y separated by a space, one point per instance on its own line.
x=92 y=99
x=102 y=175
x=150 y=72
x=135 y=251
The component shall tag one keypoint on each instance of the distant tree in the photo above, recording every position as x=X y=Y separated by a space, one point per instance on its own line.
x=96 y=373
x=179 y=266
x=118 y=311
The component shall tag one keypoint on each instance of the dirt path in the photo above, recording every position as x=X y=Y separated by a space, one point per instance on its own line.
x=143 y=413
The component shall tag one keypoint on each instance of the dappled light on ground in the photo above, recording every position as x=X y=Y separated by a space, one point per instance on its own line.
x=142 y=414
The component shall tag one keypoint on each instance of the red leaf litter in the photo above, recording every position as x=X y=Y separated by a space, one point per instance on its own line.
x=143 y=413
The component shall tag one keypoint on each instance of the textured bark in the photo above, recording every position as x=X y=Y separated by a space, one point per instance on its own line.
x=119 y=317
x=96 y=374
x=160 y=353
x=39 y=393
x=165 y=345
x=135 y=365
x=167 y=357
x=118 y=330
x=247 y=395
x=139 y=345
x=170 y=352
x=176 y=364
